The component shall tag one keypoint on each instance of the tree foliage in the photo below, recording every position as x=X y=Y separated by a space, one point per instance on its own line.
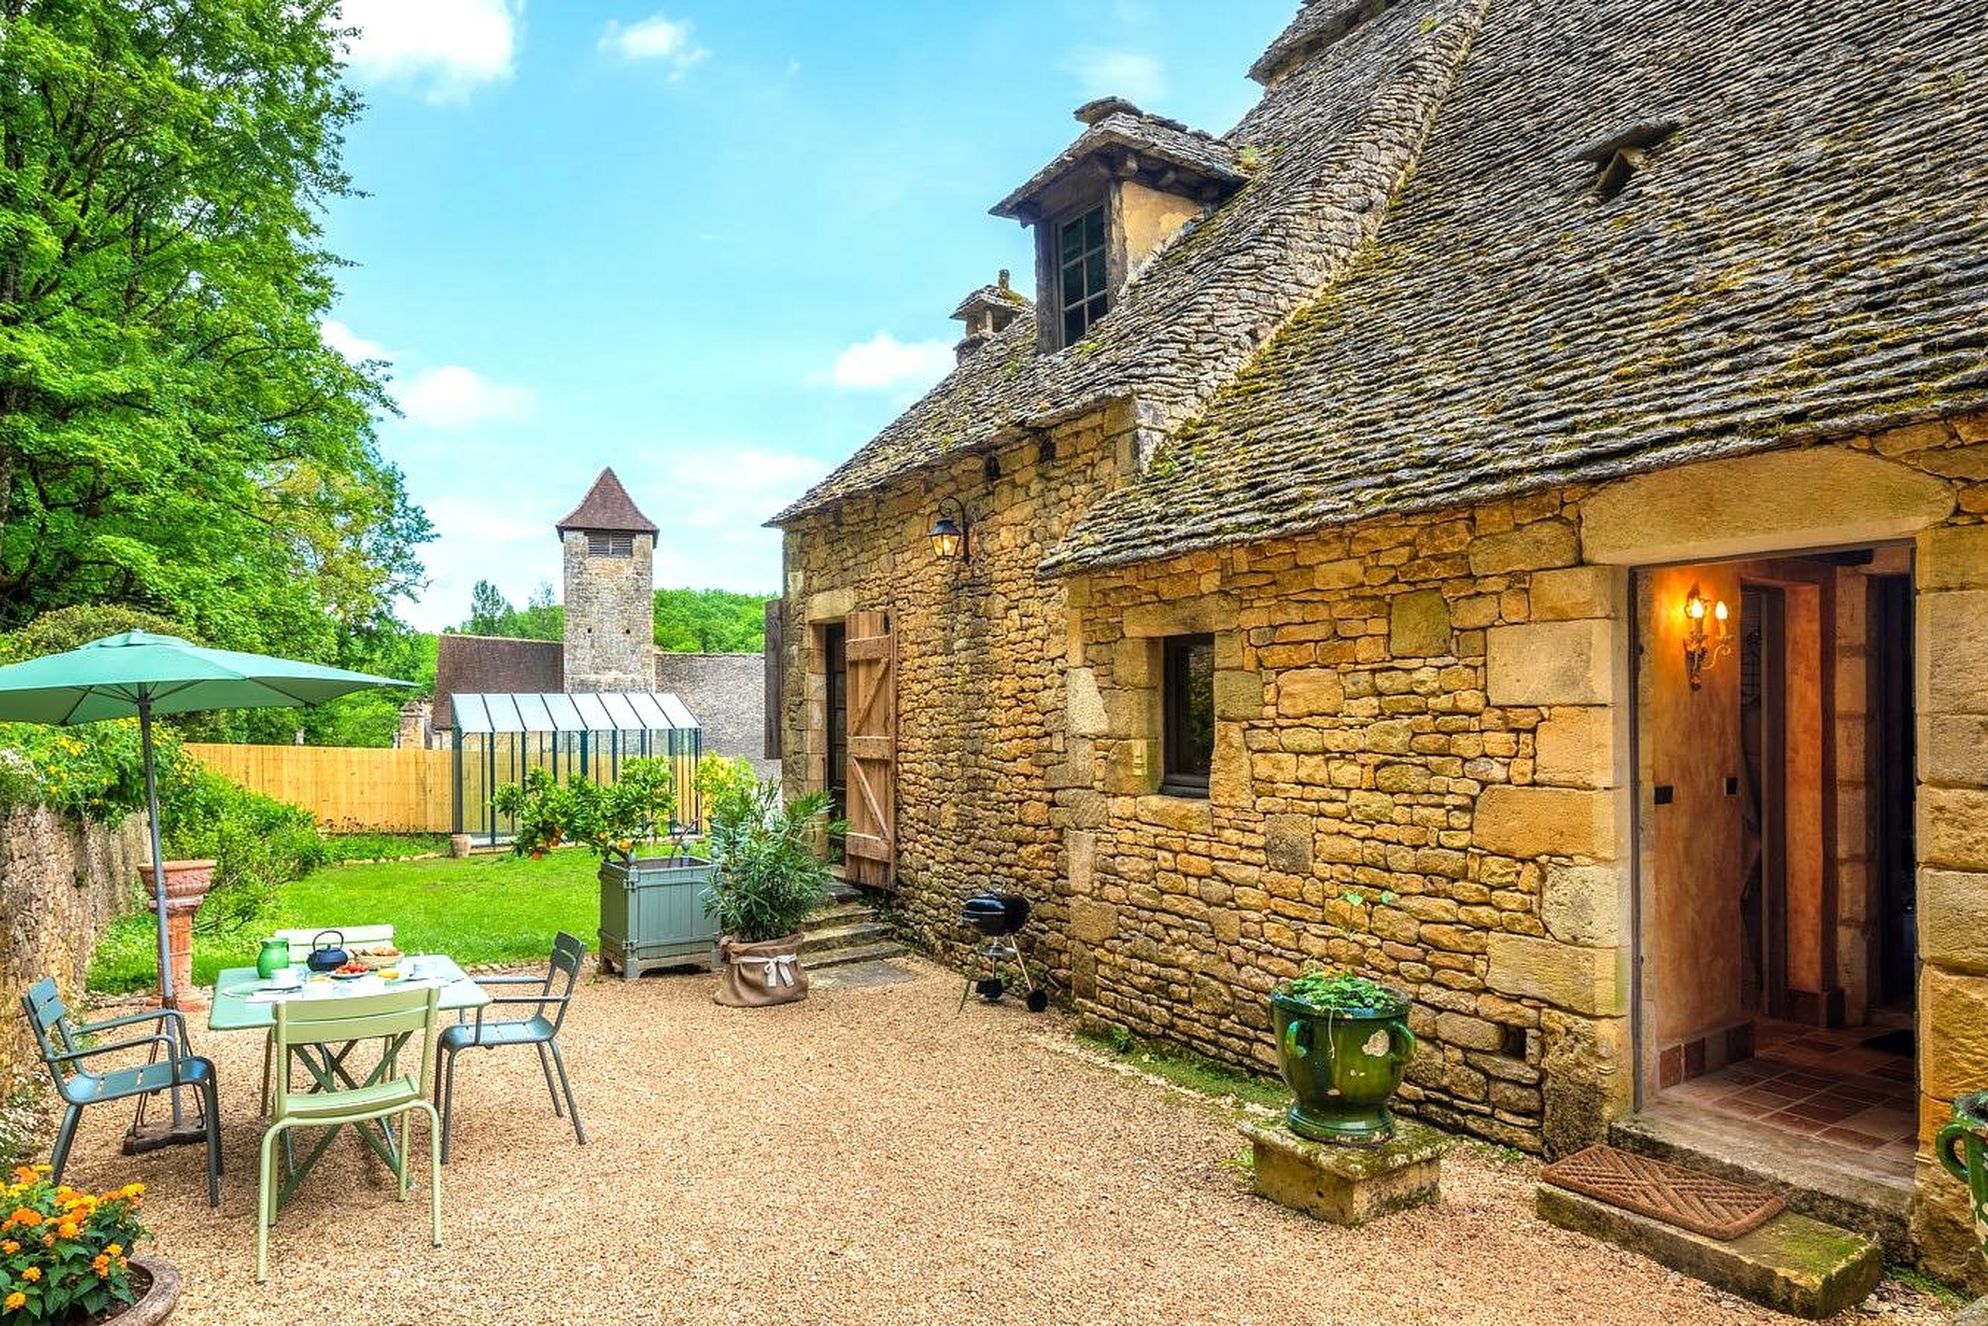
x=490 y=613
x=710 y=621
x=174 y=433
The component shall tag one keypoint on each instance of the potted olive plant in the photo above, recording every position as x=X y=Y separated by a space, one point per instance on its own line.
x=769 y=881
x=1343 y=1043
x=652 y=907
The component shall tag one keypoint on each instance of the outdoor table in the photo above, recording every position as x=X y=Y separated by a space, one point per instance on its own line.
x=235 y=1010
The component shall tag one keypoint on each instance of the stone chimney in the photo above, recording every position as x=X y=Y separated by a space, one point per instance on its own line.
x=987 y=313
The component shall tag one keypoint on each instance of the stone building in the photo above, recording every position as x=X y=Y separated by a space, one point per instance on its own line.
x=1507 y=517
x=608 y=551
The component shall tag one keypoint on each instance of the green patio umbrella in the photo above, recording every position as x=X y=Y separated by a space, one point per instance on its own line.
x=142 y=675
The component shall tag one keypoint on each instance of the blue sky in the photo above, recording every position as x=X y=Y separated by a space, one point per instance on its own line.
x=713 y=245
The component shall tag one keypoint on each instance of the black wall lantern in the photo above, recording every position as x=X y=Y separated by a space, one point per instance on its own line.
x=949 y=534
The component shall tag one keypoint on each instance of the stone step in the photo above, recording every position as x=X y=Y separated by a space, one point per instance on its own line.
x=855 y=933
x=848 y=913
x=1792 y=1264
x=842 y=957
x=1814 y=1180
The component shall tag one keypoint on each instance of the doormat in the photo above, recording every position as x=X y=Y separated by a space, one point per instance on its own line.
x=1892 y=1042
x=1703 y=1203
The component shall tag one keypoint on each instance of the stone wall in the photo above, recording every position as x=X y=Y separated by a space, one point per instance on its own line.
x=981 y=652
x=1421 y=765
x=610 y=616
x=60 y=887
x=726 y=693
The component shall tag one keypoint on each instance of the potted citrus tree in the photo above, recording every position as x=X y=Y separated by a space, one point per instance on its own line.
x=652 y=908
x=769 y=880
x=65 y=1256
x=1343 y=1044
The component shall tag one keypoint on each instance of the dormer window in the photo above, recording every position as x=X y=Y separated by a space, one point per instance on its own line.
x=1103 y=208
x=610 y=545
x=1084 y=288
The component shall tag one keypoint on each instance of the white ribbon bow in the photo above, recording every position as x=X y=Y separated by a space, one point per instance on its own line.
x=774 y=971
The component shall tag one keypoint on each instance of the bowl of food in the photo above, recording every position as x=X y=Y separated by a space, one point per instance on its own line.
x=377 y=957
x=351 y=971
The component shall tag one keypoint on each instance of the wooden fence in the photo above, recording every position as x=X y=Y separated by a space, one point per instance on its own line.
x=347 y=787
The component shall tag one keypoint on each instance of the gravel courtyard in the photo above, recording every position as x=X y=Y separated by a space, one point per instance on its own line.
x=868 y=1156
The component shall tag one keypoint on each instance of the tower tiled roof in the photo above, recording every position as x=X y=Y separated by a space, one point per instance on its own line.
x=607 y=507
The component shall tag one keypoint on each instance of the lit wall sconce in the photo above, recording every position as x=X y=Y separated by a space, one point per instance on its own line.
x=1704 y=648
x=949 y=534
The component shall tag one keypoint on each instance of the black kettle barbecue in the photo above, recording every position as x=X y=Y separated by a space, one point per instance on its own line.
x=999 y=917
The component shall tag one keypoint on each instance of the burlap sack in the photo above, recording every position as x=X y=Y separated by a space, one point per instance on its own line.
x=756 y=975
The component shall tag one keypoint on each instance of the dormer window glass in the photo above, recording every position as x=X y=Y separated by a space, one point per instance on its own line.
x=1084 y=288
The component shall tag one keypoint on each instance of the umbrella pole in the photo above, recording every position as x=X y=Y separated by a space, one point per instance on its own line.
x=158 y=851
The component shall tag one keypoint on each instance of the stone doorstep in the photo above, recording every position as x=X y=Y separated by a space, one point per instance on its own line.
x=1792 y=1264
x=1794 y=1168
x=1347 y=1185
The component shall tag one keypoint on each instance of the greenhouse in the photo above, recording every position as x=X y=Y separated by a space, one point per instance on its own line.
x=497 y=738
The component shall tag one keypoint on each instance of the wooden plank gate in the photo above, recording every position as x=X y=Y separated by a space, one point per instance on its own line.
x=870 y=851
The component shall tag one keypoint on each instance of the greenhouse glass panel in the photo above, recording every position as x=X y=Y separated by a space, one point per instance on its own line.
x=499 y=738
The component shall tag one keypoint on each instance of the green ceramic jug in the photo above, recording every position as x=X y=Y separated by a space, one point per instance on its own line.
x=1962 y=1147
x=275 y=956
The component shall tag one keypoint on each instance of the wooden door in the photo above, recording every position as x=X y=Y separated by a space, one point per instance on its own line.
x=870 y=654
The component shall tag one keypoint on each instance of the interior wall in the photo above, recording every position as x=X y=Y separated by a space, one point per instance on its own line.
x=1693 y=845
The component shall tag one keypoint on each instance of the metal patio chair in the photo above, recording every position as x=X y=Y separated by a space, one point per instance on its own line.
x=318 y=1034
x=171 y=1064
x=540 y=1029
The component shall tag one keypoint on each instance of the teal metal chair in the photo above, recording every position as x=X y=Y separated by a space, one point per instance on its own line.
x=170 y=1065
x=538 y=1029
x=320 y=1034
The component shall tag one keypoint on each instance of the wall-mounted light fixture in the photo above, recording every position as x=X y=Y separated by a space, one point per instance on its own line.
x=1704 y=648
x=949 y=540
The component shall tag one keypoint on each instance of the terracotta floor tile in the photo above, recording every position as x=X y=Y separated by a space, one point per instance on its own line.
x=1851 y=1138
x=1793 y=1123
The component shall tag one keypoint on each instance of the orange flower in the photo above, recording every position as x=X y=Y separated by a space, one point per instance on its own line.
x=15 y=1300
x=26 y=1217
x=32 y=1274
x=23 y=1174
x=9 y=1247
x=67 y=1230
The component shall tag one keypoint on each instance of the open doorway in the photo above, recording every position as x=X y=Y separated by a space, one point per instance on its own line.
x=1774 y=852
x=835 y=656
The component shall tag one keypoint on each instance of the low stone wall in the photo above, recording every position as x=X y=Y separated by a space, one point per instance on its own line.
x=60 y=887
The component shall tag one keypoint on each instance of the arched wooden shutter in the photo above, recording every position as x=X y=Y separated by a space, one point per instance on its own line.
x=871 y=654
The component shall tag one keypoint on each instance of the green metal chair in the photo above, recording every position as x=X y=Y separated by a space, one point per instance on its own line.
x=171 y=1065
x=319 y=1033
x=539 y=1029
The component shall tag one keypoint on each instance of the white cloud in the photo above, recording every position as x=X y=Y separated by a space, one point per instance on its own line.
x=456 y=397
x=1104 y=73
x=350 y=343
x=668 y=40
x=443 y=48
x=884 y=363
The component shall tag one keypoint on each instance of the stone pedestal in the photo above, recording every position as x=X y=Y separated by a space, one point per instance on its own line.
x=1348 y=1185
x=459 y=845
x=186 y=888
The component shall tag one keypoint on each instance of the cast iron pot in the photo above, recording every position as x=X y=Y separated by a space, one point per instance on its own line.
x=1962 y=1147
x=327 y=957
x=1343 y=1067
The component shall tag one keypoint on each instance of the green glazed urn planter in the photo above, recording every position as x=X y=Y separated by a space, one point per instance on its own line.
x=1962 y=1147
x=1343 y=1067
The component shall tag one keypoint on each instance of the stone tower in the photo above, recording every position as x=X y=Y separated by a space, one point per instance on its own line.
x=610 y=588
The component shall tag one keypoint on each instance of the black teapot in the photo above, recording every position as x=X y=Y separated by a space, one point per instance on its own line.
x=327 y=956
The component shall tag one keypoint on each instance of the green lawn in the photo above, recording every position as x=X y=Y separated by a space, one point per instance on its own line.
x=485 y=909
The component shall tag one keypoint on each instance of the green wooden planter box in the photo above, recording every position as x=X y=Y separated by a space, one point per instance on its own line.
x=652 y=916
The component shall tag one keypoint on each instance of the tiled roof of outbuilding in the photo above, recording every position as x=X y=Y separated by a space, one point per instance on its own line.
x=1334 y=139
x=1804 y=254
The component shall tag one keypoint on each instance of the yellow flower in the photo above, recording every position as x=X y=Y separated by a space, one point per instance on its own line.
x=32 y=1274
x=67 y=1230
x=115 y=1249
x=16 y=1300
x=9 y=1247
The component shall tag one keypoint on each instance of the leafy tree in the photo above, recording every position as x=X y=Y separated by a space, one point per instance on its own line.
x=174 y=433
x=489 y=610
x=710 y=621
x=490 y=613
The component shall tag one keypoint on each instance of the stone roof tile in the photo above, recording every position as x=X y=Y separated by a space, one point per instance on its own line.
x=1803 y=254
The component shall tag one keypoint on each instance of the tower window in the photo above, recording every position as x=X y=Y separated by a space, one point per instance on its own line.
x=610 y=545
x=1083 y=291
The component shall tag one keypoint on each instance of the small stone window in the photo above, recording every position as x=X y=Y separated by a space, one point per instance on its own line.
x=1083 y=291
x=610 y=545
x=1187 y=714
